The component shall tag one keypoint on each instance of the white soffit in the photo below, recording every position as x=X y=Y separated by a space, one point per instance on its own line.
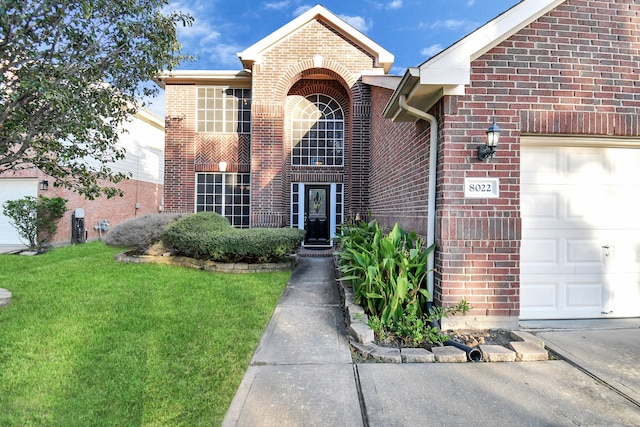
x=239 y=78
x=387 y=82
x=253 y=53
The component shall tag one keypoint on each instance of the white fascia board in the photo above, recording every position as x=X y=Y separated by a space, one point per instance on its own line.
x=151 y=118
x=452 y=66
x=253 y=53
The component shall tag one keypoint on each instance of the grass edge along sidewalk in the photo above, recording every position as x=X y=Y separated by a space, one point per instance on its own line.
x=89 y=341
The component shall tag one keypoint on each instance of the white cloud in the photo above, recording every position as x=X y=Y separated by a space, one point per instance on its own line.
x=395 y=4
x=226 y=53
x=450 y=24
x=277 y=5
x=358 y=22
x=391 y=5
x=207 y=38
x=300 y=10
x=431 y=50
x=471 y=2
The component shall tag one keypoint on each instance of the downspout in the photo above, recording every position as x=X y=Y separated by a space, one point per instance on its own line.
x=431 y=198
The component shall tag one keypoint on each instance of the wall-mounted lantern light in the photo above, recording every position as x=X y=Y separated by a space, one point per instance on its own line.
x=44 y=185
x=488 y=150
x=222 y=166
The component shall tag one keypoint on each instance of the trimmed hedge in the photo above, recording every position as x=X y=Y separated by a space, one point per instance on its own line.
x=207 y=235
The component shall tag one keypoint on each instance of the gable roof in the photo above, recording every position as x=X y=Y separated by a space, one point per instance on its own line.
x=253 y=53
x=449 y=71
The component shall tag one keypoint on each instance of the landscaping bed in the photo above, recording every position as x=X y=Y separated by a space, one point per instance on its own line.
x=490 y=345
x=206 y=265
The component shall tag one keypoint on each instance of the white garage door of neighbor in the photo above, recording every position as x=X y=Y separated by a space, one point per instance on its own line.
x=580 y=253
x=12 y=189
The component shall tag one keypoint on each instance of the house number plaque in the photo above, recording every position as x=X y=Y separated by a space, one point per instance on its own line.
x=481 y=188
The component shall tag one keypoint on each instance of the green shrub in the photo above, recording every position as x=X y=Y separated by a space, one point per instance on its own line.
x=189 y=235
x=35 y=219
x=258 y=244
x=207 y=235
x=140 y=233
x=388 y=273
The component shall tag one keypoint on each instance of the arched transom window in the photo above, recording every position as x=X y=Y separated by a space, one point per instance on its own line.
x=317 y=132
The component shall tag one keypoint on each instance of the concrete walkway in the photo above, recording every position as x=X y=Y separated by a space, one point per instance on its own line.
x=302 y=375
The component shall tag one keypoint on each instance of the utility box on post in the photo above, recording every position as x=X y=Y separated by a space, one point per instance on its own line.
x=78 y=232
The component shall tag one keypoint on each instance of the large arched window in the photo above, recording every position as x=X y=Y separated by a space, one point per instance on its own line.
x=317 y=132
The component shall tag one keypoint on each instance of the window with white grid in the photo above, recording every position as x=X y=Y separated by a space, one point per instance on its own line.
x=223 y=110
x=228 y=194
x=317 y=132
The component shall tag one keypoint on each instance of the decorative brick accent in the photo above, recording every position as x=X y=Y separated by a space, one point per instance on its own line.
x=233 y=148
x=580 y=123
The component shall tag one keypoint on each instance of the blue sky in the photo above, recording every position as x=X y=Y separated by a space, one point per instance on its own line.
x=412 y=30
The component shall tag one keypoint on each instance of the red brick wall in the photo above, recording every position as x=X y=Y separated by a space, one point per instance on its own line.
x=399 y=169
x=179 y=154
x=286 y=69
x=574 y=71
x=115 y=210
x=281 y=68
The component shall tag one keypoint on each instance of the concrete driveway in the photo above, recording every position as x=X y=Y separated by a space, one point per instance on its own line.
x=608 y=350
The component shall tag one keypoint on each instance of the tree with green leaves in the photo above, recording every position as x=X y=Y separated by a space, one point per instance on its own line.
x=71 y=74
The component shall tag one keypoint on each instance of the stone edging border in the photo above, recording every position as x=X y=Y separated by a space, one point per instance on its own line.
x=525 y=347
x=183 y=261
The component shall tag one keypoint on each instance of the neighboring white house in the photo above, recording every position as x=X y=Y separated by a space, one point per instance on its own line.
x=144 y=162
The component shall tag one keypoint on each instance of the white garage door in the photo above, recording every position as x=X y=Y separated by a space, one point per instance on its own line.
x=12 y=189
x=580 y=253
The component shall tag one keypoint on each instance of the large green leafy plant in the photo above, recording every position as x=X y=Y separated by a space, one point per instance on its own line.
x=388 y=273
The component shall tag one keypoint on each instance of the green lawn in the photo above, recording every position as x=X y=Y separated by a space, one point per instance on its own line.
x=87 y=341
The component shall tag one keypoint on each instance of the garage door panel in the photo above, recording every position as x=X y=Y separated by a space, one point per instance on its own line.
x=582 y=251
x=584 y=295
x=542 y=296
x=13 y=189
x=540 y=252
x=623 y=295
x=580 y=232
x=538 y=167
x=559 y=299
x=584 y=166
x=540 y=205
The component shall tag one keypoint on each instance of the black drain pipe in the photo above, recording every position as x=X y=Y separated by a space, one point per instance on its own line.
x=473 y=354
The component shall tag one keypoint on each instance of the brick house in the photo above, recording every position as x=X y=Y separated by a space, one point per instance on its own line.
x=143 y=192
x=314 y=131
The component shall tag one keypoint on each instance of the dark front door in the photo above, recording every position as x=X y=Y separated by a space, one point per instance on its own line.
x=316 y=215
